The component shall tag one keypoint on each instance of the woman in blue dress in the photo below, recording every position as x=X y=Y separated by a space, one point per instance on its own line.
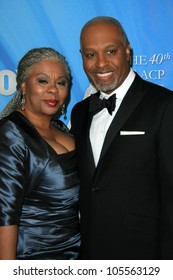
x=38 y=177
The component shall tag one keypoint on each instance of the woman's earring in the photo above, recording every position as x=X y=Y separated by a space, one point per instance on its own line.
x=23 y=103
x=63 y=111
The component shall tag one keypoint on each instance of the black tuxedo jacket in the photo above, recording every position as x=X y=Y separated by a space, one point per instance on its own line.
x=126 y=203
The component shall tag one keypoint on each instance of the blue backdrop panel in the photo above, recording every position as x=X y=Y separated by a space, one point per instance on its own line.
x=26 y=24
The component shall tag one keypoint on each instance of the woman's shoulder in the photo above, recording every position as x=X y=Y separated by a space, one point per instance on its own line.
x=15 y=123
x=9 y=123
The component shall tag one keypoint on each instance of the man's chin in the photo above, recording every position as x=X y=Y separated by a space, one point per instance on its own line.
x=105 y=89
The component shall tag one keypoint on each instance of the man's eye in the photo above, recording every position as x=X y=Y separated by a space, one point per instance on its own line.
x=111 y=51
x=89 y=55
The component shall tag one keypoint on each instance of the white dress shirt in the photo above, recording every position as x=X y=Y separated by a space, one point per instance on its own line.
x=102 y=120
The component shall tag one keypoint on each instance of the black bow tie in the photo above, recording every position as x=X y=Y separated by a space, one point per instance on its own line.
x=97 y=104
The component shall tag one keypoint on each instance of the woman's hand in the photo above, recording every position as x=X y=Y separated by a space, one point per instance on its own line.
x=8 y=242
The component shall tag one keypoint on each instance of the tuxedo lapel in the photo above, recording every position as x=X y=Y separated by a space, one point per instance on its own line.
x=128 y=105
x=89 y=153
x=86 y=146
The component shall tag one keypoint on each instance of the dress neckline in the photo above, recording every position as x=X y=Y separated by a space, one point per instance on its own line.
x=33 y=127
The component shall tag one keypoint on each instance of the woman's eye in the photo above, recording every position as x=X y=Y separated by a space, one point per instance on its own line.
x=41 y=81
x=62 y=83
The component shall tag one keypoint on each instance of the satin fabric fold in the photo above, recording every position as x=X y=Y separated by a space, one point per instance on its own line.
x=38 y=192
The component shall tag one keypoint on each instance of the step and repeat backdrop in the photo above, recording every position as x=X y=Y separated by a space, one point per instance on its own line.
x=26 y=24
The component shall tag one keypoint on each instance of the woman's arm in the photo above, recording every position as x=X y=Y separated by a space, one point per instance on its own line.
x=8 y=242
x=12 y=183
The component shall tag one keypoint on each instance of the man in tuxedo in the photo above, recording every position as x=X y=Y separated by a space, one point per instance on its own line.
x=125 y=153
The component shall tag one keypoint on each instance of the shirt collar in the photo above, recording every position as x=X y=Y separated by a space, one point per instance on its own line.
x=123 y=88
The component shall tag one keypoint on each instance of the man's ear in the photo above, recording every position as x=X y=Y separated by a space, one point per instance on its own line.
x=128 y=51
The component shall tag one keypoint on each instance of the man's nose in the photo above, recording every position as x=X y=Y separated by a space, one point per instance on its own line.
x=101 y=61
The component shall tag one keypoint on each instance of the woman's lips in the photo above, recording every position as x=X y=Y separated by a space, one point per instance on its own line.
x=52 y=102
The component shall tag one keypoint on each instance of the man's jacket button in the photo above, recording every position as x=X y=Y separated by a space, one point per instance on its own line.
x=95 y=189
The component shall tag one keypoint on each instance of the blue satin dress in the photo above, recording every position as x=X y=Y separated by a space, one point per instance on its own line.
x=38 y=192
